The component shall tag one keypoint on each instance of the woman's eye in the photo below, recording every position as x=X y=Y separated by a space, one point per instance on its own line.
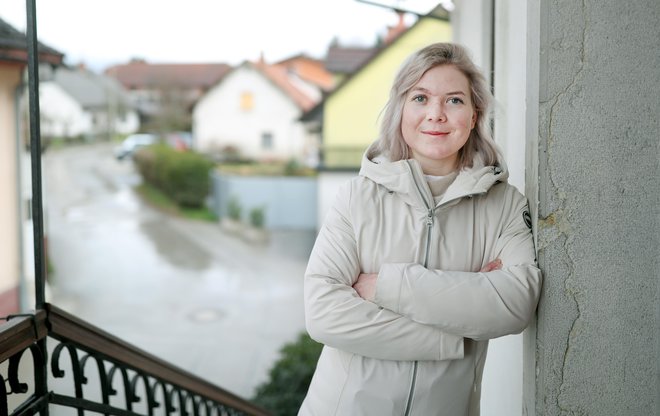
x=455 y=100
x=419 y=98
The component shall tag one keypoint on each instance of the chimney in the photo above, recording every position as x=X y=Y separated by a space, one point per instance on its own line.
x=394 y=31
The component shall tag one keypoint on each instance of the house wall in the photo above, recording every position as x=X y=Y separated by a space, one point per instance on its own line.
x=9 y=241
x=219 y=121
x=61 y=115
x=128 y=123
x=351 y=114
x=598 y=321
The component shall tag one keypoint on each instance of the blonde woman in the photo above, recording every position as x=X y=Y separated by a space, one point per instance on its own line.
x=424 y=257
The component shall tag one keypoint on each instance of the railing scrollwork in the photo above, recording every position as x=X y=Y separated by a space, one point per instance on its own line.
x=99 y=373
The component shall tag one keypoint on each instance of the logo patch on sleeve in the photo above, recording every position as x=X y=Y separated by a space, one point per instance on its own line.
x=527 y=218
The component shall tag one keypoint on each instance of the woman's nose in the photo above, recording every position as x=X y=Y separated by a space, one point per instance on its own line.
x=436 y=112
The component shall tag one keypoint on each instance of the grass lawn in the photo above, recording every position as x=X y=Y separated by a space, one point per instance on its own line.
x=163 y=203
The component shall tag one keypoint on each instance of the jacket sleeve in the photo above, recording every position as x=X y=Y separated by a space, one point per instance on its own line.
x=336 y=316
x=471 y=304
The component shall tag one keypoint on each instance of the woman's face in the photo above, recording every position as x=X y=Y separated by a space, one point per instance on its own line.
x=438 y=116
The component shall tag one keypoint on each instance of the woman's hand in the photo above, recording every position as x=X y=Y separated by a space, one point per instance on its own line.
x=365 y=286
x=493 y=265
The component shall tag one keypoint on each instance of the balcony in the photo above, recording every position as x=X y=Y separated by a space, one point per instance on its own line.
x=96 y=371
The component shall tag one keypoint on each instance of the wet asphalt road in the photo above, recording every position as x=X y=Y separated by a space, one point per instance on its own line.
x=182 y=290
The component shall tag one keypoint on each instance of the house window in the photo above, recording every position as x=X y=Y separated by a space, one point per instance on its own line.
x=247 y=101
x=266 y=140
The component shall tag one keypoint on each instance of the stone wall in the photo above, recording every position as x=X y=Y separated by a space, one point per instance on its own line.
x=597 y=335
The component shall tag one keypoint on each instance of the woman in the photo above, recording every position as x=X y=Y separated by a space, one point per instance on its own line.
x=424 y=256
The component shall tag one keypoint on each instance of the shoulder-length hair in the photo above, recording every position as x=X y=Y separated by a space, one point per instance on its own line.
x=479 y=146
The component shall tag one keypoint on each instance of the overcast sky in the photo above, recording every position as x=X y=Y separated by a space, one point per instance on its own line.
x=101 y=33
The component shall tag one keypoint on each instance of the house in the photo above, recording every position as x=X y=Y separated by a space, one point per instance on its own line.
x=164 y=94
x=14 y=203
x=255 y=110
x=76 y=102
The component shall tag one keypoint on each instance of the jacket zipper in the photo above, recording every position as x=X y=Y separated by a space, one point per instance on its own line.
x=429 y=229
x=412 y=389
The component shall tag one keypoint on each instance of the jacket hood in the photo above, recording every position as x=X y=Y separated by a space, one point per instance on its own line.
x=406 y=178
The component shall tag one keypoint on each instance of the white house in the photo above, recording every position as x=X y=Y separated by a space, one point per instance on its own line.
x=61 y=114
x=255 y=109
x=76 y=102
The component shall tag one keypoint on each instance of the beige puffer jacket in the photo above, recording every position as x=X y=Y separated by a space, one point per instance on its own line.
x=419 y=348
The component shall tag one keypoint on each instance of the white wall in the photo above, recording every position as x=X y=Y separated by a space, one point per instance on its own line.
x=128 y=124
x=471 y=23
x=219 y=121
x=513 y=31
x=328 y=185
x=61 y=115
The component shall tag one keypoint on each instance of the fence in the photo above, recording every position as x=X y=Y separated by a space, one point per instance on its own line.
x=290 y=202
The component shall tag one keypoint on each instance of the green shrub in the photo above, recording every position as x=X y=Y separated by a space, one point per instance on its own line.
x=258 y=217
x=292 y=167
x=289 y=378
x=234 y=209
x=183 y=176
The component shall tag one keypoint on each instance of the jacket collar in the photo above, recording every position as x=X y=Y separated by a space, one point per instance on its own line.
x=406 y=178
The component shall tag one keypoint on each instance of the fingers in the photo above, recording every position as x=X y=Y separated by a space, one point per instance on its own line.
x=493 y=265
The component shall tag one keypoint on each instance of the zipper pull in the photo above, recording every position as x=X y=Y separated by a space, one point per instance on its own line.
x=429 y=218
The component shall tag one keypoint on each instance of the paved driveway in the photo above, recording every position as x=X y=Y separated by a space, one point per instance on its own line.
x=183 y=290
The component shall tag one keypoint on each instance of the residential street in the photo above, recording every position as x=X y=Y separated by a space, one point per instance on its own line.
x=182 y=290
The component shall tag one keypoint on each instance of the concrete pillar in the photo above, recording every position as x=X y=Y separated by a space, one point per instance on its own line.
x=599 y=122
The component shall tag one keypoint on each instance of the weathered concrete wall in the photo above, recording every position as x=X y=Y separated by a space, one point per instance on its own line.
x=597 y=335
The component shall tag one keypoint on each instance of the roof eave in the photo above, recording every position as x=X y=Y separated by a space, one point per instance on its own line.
x=21 y=56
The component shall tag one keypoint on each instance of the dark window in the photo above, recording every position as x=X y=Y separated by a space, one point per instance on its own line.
x=267 y=140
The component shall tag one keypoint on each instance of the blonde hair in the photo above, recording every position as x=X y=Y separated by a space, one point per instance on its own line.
x=480 y=144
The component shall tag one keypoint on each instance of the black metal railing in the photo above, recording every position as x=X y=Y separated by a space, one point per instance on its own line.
x=102 y=373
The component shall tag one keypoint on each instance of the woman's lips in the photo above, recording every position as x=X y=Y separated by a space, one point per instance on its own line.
x=435 y=133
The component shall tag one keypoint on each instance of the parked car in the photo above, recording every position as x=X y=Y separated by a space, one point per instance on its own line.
x=179 y=140
x=134 y=142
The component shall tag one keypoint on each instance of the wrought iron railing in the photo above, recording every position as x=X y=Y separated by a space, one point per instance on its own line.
x=102 y=373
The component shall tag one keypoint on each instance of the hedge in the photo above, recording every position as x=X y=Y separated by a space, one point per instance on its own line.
x=182 y=176
x=290 y=377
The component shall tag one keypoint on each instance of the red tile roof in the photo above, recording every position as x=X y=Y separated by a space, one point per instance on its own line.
x=311 y=70
x=279 y=75
x=143 y=75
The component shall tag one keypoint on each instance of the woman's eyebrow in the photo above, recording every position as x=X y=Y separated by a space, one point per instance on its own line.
x=455 y=93
x=424 y=90
x=421 y=89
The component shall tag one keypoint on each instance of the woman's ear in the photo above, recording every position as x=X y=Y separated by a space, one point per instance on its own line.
x=474 y=119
